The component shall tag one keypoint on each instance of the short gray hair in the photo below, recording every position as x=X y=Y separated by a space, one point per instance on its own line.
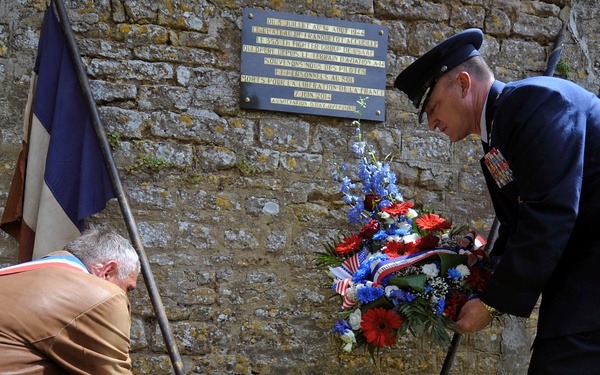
x=476 y=67
x=102 y=246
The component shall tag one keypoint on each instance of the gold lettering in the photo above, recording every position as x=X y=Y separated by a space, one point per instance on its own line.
x=319 y=105
x=316 y=37
x=311 y=95
x=316 y=76
x=315 y=27
x=315 y=66
x=312 y=85
x=314 y=56
x=314 y=46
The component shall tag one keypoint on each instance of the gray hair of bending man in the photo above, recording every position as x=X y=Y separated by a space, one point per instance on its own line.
x=102 y=246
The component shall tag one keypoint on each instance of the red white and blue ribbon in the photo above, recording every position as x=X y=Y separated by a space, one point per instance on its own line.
x=386 y=267
x=344 y=274
x=63 y=261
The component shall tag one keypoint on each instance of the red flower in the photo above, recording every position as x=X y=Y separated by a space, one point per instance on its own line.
x=395 y=249
x=380 y=326
x=427 y=242
x=391 y=249
x=432 y=223
x=369 y=229
x=350 y=244
x=398 y=209
x=478 y=278
x=370 y=201
x=453 y=305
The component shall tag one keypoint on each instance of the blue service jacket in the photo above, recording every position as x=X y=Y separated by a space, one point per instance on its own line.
x=548 y=129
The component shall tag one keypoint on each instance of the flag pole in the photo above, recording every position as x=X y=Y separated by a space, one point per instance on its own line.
x=121 y=197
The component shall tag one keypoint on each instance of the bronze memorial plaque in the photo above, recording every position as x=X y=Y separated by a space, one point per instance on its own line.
x=320 y=66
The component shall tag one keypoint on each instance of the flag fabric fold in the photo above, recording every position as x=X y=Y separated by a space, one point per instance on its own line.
x=61 y=177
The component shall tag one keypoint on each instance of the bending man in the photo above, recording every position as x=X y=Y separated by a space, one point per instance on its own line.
x=68 y=312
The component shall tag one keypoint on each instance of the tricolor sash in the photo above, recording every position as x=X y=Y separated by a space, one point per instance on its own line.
x=386 y=267
x=62 y=260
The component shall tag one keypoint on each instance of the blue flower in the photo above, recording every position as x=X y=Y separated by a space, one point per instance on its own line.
x=440 y=307
x=359 y=147
x=361 y=274
x=454 y=274
x=364 y=270
x=386 y=280
x=380 y=235
x=400 y=296
x=346 y=185
x=355 y=215
x=367 y=294
x=397 y=232
x=341 y=326
x=384 y=203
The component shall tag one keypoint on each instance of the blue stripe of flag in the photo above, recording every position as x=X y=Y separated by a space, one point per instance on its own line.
x=76 y=172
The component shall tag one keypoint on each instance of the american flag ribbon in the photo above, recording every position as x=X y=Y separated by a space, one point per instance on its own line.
x=347 y=303
x=341 y=287
x=344 y=273
x=350 y=265
x=353 y=263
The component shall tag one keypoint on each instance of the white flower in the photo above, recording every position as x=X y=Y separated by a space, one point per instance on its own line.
x=464 y=270
x=351 y=293
x=404 y=225
x=411 y=214
x=355 y=319
x=394 y=238
x=387 y=218
x=430 y=270
x=410 y=238
x=389 y=289
x=349 y=339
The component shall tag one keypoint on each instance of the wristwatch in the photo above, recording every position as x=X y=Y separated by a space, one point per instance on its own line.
x=493 y=312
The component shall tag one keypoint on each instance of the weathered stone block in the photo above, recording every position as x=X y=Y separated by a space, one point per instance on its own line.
x=292 y=135
x=130 y=69
x=163 y=97
x=107 y=91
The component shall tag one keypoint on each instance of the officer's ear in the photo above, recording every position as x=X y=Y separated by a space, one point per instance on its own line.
x=106 y=271
x=464 y=80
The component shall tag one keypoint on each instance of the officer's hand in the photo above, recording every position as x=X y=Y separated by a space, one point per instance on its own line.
x=473 y=317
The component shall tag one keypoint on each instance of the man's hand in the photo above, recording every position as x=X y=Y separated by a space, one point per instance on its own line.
x=473 y=317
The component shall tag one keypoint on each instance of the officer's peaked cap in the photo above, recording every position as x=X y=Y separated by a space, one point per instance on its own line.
x=421 y=75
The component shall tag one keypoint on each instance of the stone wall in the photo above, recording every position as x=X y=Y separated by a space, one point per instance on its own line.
x=232 y=205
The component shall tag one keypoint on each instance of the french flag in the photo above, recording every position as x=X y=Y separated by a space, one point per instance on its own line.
x=60 y=177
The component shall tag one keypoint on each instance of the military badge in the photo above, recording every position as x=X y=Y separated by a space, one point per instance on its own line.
x=498 y=167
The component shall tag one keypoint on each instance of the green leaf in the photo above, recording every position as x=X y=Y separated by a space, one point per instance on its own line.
x=379 y=302
x=329 y=258
x=417 y=282
x=451 y=260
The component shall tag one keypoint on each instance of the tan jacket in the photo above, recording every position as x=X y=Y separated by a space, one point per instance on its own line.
x=60 y=321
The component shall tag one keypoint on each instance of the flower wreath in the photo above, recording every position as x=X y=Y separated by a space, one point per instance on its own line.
x=402 y=271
